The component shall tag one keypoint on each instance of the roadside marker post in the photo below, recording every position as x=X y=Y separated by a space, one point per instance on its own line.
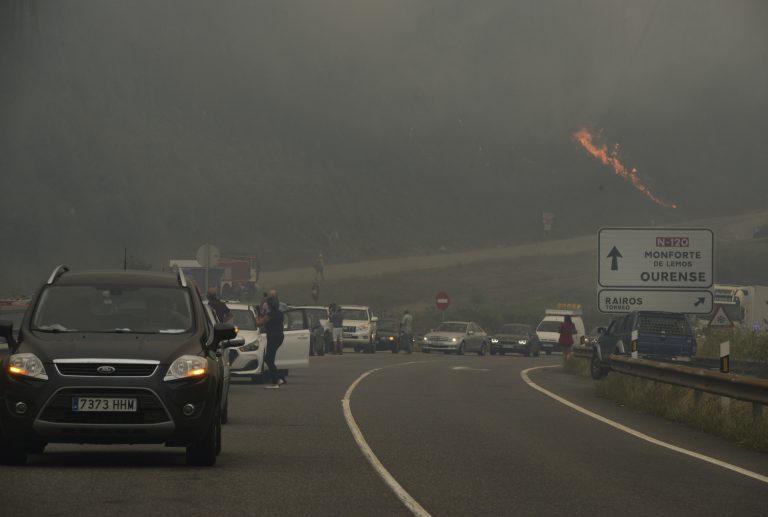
x=725 y=357
x=634 y=338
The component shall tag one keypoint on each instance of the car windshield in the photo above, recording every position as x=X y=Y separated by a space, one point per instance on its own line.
x=387 y=325
x=355 y=314
x=514 y=329
x=113 y=308
x=452 y=327
x=243 y=319
x=664 y=324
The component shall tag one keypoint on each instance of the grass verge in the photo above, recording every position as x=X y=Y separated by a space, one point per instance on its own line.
x=732 y=420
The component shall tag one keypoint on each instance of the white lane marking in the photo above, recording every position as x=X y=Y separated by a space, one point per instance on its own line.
x=405 y=497
x=638 y=434
x=471 y=369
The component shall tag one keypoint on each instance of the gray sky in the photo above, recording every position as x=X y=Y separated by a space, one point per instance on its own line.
x=260 y=126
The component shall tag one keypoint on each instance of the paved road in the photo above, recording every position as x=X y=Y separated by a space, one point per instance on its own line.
x=468 y=441
x=739 y=227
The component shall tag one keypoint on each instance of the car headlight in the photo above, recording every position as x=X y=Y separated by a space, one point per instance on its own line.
x=391 y=338
x=523 y=342
x=364 y=326
x=494 y=340
x=250 y=347
x=453 y=339
x=187 y=366
x=426 y=339
x=26 y=365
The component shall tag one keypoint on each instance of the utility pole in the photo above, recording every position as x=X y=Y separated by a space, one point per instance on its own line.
x=125 y=259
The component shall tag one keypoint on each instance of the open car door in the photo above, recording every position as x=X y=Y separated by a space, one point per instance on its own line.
x=294 y=352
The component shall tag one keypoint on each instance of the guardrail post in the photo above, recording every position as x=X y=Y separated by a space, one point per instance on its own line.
x=757 y=411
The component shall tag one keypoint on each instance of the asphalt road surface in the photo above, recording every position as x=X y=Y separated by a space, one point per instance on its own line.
x=462 y=435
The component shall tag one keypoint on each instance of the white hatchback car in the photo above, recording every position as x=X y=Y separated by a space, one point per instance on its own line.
x=248 y=360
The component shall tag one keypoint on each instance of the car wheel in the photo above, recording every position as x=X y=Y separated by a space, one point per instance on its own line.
x=13 y=454
x=596 y=369
x=502 y=352
x=527 y=352
x=460 y=351
x=536 y=352
x=482 y=349
x=203 y=452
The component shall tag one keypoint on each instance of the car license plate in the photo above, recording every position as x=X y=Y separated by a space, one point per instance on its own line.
x=347 y=334
x=103 y=404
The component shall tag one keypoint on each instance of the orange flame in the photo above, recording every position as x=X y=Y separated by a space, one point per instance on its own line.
x=585 y=138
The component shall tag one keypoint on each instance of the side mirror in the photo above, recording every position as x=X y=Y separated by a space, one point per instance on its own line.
x=224 y=332
x=232 y=343
x=6 y=332
x=374 y=319
x=471 y=332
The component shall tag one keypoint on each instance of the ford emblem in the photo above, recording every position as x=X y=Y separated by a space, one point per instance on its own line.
x=106 y=370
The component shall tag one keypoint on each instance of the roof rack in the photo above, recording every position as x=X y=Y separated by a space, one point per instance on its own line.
x=60 y=270
x=182 y=278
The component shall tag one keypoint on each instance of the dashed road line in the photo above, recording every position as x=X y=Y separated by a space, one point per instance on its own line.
x=409 y=502
x=638 y=434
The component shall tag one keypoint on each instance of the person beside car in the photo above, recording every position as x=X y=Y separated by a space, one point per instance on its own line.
x=337 y=320
x=567 y=330
x=406 y=331
x=220 y=308
x=272 y=322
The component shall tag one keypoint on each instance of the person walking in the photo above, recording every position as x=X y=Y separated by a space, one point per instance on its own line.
x=337 y=320
x=406 y=332
x=319 y=267
x=567 y=330
x=272 y=323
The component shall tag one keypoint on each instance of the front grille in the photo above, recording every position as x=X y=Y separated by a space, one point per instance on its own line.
x=350 y=329
x=440 y=338
x=149 y=409
x=121 y=369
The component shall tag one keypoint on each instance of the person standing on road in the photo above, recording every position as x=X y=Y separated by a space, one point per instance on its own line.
x=337 y=320
x=406 y=331
x=567 y=329
x=272 y=322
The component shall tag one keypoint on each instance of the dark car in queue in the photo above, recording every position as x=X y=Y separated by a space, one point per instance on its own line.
x=114 y=357
x=516 y=338
x=658 y=335
x=387 y=334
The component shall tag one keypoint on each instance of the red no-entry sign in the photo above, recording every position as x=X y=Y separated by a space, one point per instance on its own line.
x=442 y=300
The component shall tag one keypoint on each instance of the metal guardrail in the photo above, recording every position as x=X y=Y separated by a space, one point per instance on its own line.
x=739 y=387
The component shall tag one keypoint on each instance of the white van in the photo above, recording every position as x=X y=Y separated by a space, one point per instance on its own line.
x=549 y=328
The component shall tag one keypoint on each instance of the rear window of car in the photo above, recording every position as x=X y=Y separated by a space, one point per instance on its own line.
x=663 y=324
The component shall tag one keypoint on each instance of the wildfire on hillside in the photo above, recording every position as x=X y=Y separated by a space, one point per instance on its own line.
x=611 y=158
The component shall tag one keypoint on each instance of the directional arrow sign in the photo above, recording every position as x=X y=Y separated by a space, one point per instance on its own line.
x=614 y=255
x=655 y=258
x=626 y=300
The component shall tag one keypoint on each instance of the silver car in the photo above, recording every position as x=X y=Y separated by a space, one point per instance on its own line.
x=456 y=336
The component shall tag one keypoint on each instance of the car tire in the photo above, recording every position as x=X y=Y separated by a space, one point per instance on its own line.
x=536 y=352
x=502 y=352
x=460 y=351
x=482 y=349
x=203 y=452
x=13 y=454
x=597 y=370
x=527 y=352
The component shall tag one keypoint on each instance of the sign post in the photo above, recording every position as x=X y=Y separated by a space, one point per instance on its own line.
x=655 y=269
x=442 y=302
